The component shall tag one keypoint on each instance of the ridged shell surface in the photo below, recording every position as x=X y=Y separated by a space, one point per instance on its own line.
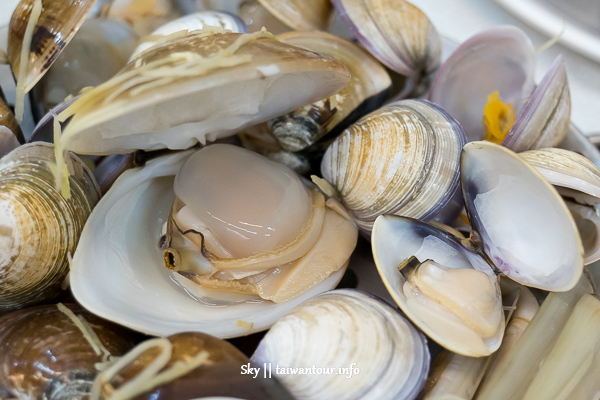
x=309 y=15
x=402 y=159
x=343 y=331
x=39 y=227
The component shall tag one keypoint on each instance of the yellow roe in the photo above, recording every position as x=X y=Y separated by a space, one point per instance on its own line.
x=498 y=118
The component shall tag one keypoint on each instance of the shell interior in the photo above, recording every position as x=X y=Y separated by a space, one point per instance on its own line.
x=446 y=315
x=526 y=229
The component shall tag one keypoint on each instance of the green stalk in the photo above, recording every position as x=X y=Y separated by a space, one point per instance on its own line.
x=519 y=366
x=570 y=372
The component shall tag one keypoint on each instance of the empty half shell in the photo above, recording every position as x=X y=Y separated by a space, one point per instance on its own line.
x=195 y=89
x=58 y=23
x=396 y=32
x=301 y=15
x=39 y=228
x=497 y=60
x=357 y=346
x=449 y=292
x=198 y=366
x=526 y=229
x=46 y=354
x=402 y=159
x=118 y=254
x=366 y=91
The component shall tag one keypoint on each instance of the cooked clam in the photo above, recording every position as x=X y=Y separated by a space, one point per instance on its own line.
x=39 y=228
x=185 y=366
x=355 y=345
x=50 y=352
x=398 y=34
x=402 y=159
x=120 y=240
x=448 y=287
x=143 y=15
x=367 y=90
x=161 y=98
x=243 y=224
x=301 y=15
x=10 y=132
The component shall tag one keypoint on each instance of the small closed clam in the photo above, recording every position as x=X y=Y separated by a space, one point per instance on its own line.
x=301 y=15
x=39 y=228
x=10 y=132
x=402 y=159
x=448 y=287
x=239 y=241
x=53 y=351
x=185 y=366
x=346 y=344
x=366 y=91
x=398 y=34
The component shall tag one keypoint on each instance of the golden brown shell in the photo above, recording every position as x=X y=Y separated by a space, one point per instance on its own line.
x=38 y=227
x=301 y=14
x=41 y=349
x=58 y=23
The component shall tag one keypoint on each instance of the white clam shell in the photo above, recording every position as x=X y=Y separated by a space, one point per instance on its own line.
x=500 y=59
x=193 y=22
x=567 y=169
x=346 y=329
x=526 y=229
x=587 y=220
x=118 y=271
x=402 y=159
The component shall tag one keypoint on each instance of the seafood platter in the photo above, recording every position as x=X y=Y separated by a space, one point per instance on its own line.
x=286 y=199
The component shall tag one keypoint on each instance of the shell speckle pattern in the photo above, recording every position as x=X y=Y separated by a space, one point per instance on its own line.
x=299 y=199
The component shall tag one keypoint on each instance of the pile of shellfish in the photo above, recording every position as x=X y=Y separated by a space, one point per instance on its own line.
x=285 y=199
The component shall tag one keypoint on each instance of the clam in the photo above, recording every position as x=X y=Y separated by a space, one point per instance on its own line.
x=301 y=15
x=191 y=365
x=10 y=132
x=402 y=159
x=197 y=88
x=218 y=278
x=98 y=51
x=351 y=345
x=39 y=228
x=448 y=286
x=50 y=352
x=144 y=16
x=255 y=15
x=190 y=23
x=367 y=90
x=397 y=33
x=487 y=85
x=56 y=26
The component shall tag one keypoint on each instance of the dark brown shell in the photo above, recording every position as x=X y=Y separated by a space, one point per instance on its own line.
x=7 y=119
x=41 y=349
x=222 y=378
x=58 y=23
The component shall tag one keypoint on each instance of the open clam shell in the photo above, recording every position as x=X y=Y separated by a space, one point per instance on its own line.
x=44 y=354
x=118 y=254
x=196 y=89
x=365 y=92
x=544 y=120
x=402 y=159
x=500 y=59
x=472 y=323
x=58 y=23
x=39 y=228
x=367 y=349
x=396 y=32
x=224 y=372
x=526 y=229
